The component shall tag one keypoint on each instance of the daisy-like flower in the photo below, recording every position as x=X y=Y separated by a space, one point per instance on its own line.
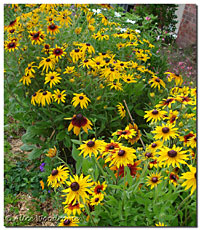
x=128 y=78
x=78 y=30
x=154 y=115
x=155 y=145
x=69 y=221
x=59 y=96
x=91 y=147
x=137 y=135
x=52 y=78
x=80 y=98
x=26 y=79
x=53 y=29
x=30 y=68
x=178 y=79
x=47 y=63
x=187 y=138
x=36 y=97
x=154 y=179
x=11 y=46
x=76 y=55
x=166 y=102
x=173 y=178
x=73 y=209
x=79 y=187
x=192 y=142
x=123 y=157
x=46 y=48
x=190 y=178
x=78 y=122
x=127 y=133
x=52 y=152
x=156 y=82
x=172 y=156
x=164 y=132
x=57 y=52
x=173 y=116
x=99 y=188
x=58 y=176
x=116 y=86
x=121 y=110
x=110 y=148
x=37 y=37
x=45 y=97
x=96 y=199
x=69 y=69
x=88 y=47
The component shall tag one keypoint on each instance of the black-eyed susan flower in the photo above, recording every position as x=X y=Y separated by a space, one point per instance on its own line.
x=156 y=82
x=154 y=115
x=154 y=179
x=121 y=110
x=64 y=18
x=190 y=178
x=52 y=152
x=52 y=78
x=137 y=136
x=35 y=98
x=78 y=30
x=46 y=48
x=122 y=157
x=178 y=78
x=192 y=142
x=57 y=52
x=127 y=133
x=37 y=37
x=185 y=139
x=58 y=176
x=173 y=178
x=116 y=85
x=76 y=54
x=30 y=68
x=99 y=188
x=53 y=29
x=166 y=102
x=47 y=63
x=91 y=147
x=77 y=122
x=80 y=98
x=11 y=45
x=73 y=208
x=96 y=199
x=59 y=96
x=156 y=145
x=110 y=148
x=26 y=79
x=172 y=156
x=87 y=47
x=45 y=97
x=173 y=116
x=164 y=132
x=128 y=78
x=79 y=188
x=69 y=221
x=69 y=69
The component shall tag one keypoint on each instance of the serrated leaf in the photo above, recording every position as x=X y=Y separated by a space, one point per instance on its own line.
x=34 y=154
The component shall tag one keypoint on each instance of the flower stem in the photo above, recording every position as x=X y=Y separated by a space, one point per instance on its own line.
x=141 y=176
x=65 y=164
x=89 y=214
x=101 y=169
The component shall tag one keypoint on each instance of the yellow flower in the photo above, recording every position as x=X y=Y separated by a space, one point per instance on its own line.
x=81 y=99
x=190 y=179
x=96 y=199
x=47 y=63
x=52 y=152
x=78 y=30
x=52 y=78
x=91 y=146
x=59 y=96
x=127 y=133
x=156 y=82
x=58 y=176
x=160 y=224
x=73 y=209
x=44 y=97
x=121 y=110
x=42 y=184
x=154 y=179
x=69 y=221
x=155 y=115
x=79 y=187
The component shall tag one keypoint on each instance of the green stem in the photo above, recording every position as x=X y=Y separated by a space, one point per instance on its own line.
x=141 y=176
x=101 y=169
x=181 y=204
x=80 y=138
x=65 y=164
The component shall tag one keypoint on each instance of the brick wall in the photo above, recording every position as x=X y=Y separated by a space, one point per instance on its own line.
x=187 y=34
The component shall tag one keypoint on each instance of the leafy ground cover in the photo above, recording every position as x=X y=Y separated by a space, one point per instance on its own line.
x=106 y=117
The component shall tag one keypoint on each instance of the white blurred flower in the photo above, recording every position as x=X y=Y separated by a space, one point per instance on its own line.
x=123 y=30
x=158 y=38
x=174 y=35
x=117 y=15
x=130 y=21
x=137 y=31
x=98 y=11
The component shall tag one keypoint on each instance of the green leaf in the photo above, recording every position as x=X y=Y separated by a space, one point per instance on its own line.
x=61 y=135
x=79 y=159
x=26 y=147
x=76 y=141
x=139 y=112
x=34 y=154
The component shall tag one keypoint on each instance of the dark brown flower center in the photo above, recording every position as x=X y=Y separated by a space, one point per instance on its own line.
x=195 y=175
x=74 y=186
x=12 y=31
x=98 y=63
x=54 y=172
x=44 y=93
x=59 y=96
x=36 y=35
x=154 y=179
x=67 y=222
x=98 y=190
x=128 y=79
x=79 y=116
x=112 y=69
x=169 y=100
x=48 y=60
x=52 y=77
x=46 y=46
x=111 y=147
x=57 y=51
x=157 y=80
x=153 y=145
x=172 y=177
x=123 y=132
x=90 y=143
x=121 y=153
x=154 y=112
x=172 y=153
x=81 y=97
x=97 y=199
x=85 y=60
x=165 y=130
x=103 y=53
x=87 y=44
x=52 y=27
x=76 y=50
x=148 y=155
x=11 y=45
x=34 y=94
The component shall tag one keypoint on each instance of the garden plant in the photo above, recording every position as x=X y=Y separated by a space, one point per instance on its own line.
x=112 y=131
